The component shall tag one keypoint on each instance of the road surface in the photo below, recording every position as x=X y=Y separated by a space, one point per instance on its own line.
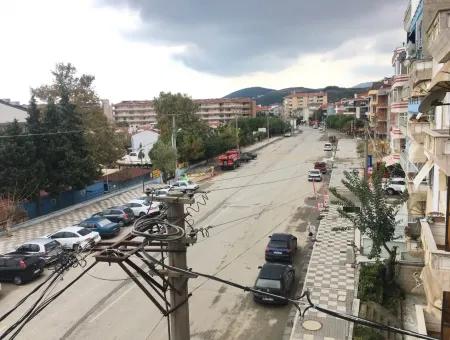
x=270 y=194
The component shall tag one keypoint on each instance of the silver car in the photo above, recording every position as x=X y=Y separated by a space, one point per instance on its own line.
x=48 y=249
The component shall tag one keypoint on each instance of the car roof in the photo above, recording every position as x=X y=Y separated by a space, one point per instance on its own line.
x=40 y=241
x=119 y=207
x=72 y=229
x=272 y=271
x=280 y=237
x=95 y=218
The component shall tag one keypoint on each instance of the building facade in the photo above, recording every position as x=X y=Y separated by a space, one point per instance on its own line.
x=303 y=104
x=11 y=110
x=378 y=107
x=141 y=113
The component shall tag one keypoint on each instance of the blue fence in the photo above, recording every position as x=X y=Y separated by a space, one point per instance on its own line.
x=68 y=198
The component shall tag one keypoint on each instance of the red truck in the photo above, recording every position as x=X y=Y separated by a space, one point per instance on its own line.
x=230 y=159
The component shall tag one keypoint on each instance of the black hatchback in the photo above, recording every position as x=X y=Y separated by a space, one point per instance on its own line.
x=281 y=247
x=274 y=278
x=20 y=268
x=120 y=214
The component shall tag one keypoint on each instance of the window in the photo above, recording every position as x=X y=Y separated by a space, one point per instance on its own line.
x=103 y=223
x=266 y=283
x=116 y=212
x=83 y=232
x=277 y=244
x=51 y=246
x=70 y=235
x=58 y=235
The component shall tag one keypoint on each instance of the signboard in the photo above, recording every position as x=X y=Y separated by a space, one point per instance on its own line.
x=156 y=173
x=262 y=130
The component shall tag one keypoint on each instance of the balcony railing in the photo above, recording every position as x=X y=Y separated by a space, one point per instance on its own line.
x=434 y=257
x=419 y=71
x=437 y=146
x=406 y=165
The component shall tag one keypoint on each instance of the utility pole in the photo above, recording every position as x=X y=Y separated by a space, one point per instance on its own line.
x=366 y=151
x=174 y=142
x=179 y=317
x=268 y=133
x=237 y=132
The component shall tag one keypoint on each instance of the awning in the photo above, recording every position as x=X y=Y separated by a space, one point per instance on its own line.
x=391 y=160
x=422 y=173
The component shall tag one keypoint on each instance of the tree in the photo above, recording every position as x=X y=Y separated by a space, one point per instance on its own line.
x=17 y=181
x=163 y=157
x=372 y=212
x=104 y=145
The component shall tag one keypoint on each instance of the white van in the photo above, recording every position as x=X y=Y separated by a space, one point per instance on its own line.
x=328 y=147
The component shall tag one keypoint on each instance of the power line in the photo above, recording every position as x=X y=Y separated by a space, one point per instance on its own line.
x=295 y=301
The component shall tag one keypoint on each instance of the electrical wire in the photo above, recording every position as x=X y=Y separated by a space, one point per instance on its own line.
x=296 y=301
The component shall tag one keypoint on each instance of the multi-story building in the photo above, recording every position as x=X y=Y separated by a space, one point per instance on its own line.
x=426 y=159
x=398 y=101
x=135 y=113
x=303 y=104
x=220 y=111
x=10 y=110
x=378 y=107
x=357 y=106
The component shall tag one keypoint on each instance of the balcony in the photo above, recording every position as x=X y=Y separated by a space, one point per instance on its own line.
x=437 y=147
x=403 y=123
x=416 y=130
x=420 y=71
x=438 y=35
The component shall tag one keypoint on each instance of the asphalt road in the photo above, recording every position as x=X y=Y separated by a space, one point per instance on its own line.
x=270 y=194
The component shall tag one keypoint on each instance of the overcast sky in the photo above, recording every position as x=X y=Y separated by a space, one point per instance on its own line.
x=205 y=48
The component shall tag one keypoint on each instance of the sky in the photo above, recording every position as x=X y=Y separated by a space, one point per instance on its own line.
x=204 y=48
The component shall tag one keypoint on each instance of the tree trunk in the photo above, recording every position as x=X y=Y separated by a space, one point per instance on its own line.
x=8 y=225
x=390 y=263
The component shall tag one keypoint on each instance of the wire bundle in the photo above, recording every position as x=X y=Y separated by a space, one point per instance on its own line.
x=157 y=229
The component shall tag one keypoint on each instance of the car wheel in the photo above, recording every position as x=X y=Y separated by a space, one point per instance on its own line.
x=390 y=191
x=17 y=280
x=142 y=214
x=77 y=248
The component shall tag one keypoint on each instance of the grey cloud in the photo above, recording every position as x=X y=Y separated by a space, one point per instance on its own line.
x=239 y=36
x=373 y=72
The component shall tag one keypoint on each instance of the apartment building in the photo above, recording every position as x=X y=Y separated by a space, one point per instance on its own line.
x=220 y=111
x=303 y=104
x=135 y=113
x=426 y=154
x=378 y=107
x=357 y=106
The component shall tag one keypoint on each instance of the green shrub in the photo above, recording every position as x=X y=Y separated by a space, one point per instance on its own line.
x=371 y=282
x=366 y=333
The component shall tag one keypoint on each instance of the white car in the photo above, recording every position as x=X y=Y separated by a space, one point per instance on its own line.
x=143 y=207
x=76 y=238
x=395 y=186
x=314 y=175
x=184 y=186
x=328 y=147
x=287 y=134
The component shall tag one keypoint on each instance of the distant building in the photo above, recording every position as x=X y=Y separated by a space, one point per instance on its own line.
x=220 y=111
x=143 y=141
x=141 y=113
x=378 y=107
x=10 y=110
x=107 y=109
x=358 y=106
x=134 y=113
x=303 y=104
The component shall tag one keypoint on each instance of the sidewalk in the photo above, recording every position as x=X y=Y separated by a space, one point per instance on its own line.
x=331 y=277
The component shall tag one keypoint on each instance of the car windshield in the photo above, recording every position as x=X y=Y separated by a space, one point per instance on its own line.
x=84 y=231
x=277 y=244
x=103 y=223
x=51 y=246
x=190 y=182
x=267 y=283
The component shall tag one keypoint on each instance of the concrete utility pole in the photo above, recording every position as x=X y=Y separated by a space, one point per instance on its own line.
x=268 y=133
x=366 y=151
x=179 y=318
x=237 y=132
x=174 y=141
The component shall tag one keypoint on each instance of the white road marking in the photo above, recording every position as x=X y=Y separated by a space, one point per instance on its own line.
x=111 y=304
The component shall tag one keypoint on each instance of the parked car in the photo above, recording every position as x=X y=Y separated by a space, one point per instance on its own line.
x=287 y=134
x=76 y=238
x=49 y=250
x=395 y=186
x=19 y=268
x=322 y=166
x=314 y=175
x=274 y=278
x=101 y=225
x=281 y=247
x=185 y=186
x=121 y=214
x=143 y=207
x=328 y=147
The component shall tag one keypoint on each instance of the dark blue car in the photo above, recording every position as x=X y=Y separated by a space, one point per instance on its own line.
x=281 y=248
x=102 y=225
